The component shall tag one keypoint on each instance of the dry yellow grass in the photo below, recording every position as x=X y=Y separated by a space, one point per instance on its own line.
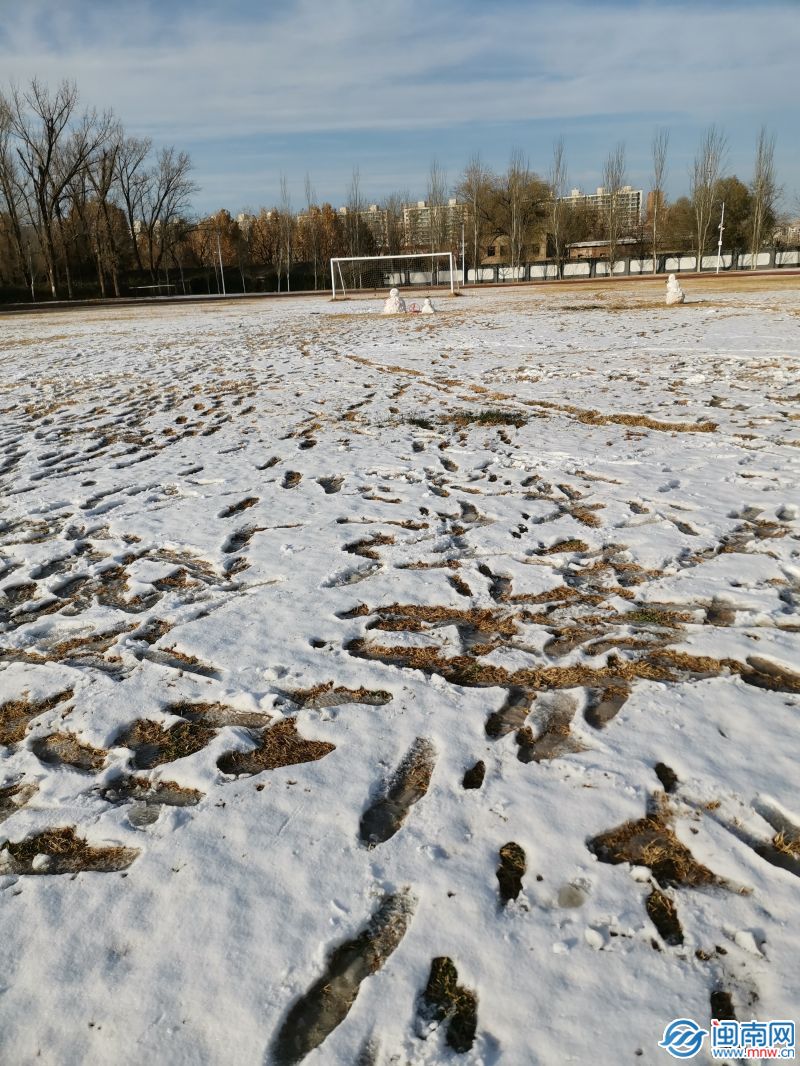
x=61 y=851
x=658 y=664
x=651 y=842
x=512 y=868
x=787 y=844
x=153 y=745
x=68 y=749
x=589 y=416
x=445 y=1000
x=16 y=714
x=572 y=545
x=326 y=695
x=279 y=746
x=365 y=546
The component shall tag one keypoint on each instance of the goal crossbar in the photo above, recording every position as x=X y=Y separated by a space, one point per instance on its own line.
x=337 y=261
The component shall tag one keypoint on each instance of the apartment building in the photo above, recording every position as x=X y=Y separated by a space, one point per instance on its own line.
x=422 y=224
x=628 y=201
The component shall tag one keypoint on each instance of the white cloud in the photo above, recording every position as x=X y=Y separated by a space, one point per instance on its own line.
x=349 y=65
x=253 y=96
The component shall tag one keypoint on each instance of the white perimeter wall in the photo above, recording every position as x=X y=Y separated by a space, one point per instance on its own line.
x=577 y=270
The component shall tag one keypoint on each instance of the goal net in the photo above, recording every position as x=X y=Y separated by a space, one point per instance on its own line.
x=374 y=274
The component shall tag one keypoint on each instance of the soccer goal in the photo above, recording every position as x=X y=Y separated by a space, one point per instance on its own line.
x=375 y=273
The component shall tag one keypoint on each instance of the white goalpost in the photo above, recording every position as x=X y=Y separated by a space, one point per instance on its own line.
x=423 y=270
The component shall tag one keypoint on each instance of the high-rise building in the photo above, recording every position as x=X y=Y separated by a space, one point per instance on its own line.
x=628 y=201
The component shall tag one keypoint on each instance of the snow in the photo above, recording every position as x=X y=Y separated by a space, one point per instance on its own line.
x=126 y=435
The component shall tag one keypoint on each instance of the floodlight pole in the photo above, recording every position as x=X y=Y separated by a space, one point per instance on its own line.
x=463 y=256
x=221 y=271
x=721 y=228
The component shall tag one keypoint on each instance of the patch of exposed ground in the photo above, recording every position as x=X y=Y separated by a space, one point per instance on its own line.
x=511 y=870
x=468 y=671
x=237 y=508
x=366 y=546
x=65 y=749
x=326 y=695
x=61 y=851
x=386 y=814
x=651 y=842
x=445 y=1001
x=327 y=1003
x=148 y=797
x=330 y=484
x=217 y=715
x=589 y=416
x=604 y=704
x=487 y=417
x=512 y=714
x=281 y=745
x=473 y=777
x=721 y=1005
x=765 y=673
x=16 y=714
x=663 y=913
x=14 y=797
x=554 y=738
x=153 y=744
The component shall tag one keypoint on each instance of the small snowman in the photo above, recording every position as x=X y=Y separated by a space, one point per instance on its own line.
x=427 y=307
x=675 y=294
x=394 y=304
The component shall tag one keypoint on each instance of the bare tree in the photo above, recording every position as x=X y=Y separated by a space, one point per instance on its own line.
x=102 y=176
x=394 y=241
x=132 y=178
x=517 y=181
x=80 y=226
x=356 y=232
x=355 y=207
x=764 y=191
x=263 y=238
x=312 y=225
x=12 y=200
x=557 y=180
x=517 y=207
x=52 y=148
x=659 y=146
x=437 y=208
x=613 y=180
x=286 y=228
x=474 y=190
x=166 y=194
x=704 y=179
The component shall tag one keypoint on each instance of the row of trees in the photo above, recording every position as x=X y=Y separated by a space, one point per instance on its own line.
x=75 y=189
x=533 y=217
x=86 y=208
x=690 y=223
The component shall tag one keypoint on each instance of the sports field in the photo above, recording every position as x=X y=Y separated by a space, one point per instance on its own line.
x=399 y=690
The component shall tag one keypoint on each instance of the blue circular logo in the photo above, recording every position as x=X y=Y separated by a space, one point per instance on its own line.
x=683 y=1038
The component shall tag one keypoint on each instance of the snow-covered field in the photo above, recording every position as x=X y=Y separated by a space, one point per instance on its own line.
x=275 y=576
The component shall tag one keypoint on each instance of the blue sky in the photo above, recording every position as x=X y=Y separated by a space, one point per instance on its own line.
x=255 y=89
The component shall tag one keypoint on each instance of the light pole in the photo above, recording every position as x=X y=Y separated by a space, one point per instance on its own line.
x=719 y=243
x=30 y=267
x=221 y=271
x=463 y=255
